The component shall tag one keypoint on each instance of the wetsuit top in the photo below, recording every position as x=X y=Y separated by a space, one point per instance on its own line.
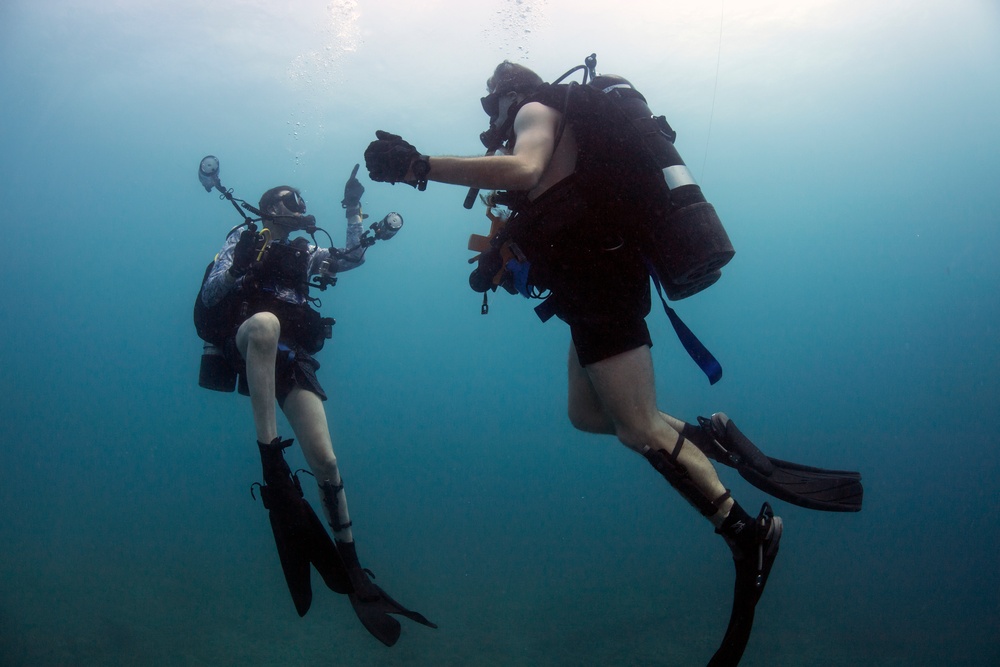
x=562 y=229
x=220 y=282
x=578 y=237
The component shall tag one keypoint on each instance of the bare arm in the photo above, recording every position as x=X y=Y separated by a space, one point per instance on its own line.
x=535 y=128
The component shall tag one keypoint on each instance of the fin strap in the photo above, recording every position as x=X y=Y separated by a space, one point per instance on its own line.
x=673 y=456
x=277 y=443
x=721 y=499
x=328 y=493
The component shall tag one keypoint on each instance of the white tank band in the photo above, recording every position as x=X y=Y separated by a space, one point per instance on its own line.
x=677 y=176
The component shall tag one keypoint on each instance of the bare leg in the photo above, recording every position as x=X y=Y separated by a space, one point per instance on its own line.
x=586 y=411
x=306 y=415
x=618 y=395
x=257 y=342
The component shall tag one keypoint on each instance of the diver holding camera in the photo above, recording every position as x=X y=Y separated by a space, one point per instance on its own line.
x=254 y=313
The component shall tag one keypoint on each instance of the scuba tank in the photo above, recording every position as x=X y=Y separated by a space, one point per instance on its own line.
x=685 y=241
x=631 y=152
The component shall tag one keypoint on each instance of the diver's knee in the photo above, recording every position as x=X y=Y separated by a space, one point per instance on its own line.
x=590 y=422
x=578 y=420
x=261 y=329
x=631 y=440
x=326 y=469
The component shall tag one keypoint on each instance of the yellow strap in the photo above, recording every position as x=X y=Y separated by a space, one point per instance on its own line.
x=266 y=233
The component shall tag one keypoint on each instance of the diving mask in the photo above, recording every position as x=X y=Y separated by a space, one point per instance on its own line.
x=288 y=209
x=291 y=200
x=500 y=119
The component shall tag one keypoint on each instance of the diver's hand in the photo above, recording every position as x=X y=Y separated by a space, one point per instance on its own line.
x=243 y=253
x=389 y=158
x=353 y=190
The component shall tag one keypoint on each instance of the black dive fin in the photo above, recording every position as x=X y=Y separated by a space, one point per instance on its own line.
x=323 y=554
x=299 y=535
x=294 y=562
x=372 y=604
x=805 y=486
x=382 y=627
x=373 y=612
x=753 y=566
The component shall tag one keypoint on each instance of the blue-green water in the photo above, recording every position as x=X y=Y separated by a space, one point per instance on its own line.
x=852 y=153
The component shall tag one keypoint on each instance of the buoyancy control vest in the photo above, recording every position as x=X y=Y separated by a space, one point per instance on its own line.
x=627 y=166
x=630 y=173
x=280 y=265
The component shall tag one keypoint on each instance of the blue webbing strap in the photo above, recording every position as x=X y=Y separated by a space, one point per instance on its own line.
x=706 y=362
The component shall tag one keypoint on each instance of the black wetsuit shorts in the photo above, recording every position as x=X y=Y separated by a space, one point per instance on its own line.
x=592 y=265
x=605 y=303
x=293 y=368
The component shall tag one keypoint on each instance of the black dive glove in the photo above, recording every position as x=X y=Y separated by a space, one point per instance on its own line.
x=353 y=190
x=243 y=253
x=389 y=157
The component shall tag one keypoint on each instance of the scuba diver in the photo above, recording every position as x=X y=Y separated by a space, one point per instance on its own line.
x=577 y=236
x=254 y=313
